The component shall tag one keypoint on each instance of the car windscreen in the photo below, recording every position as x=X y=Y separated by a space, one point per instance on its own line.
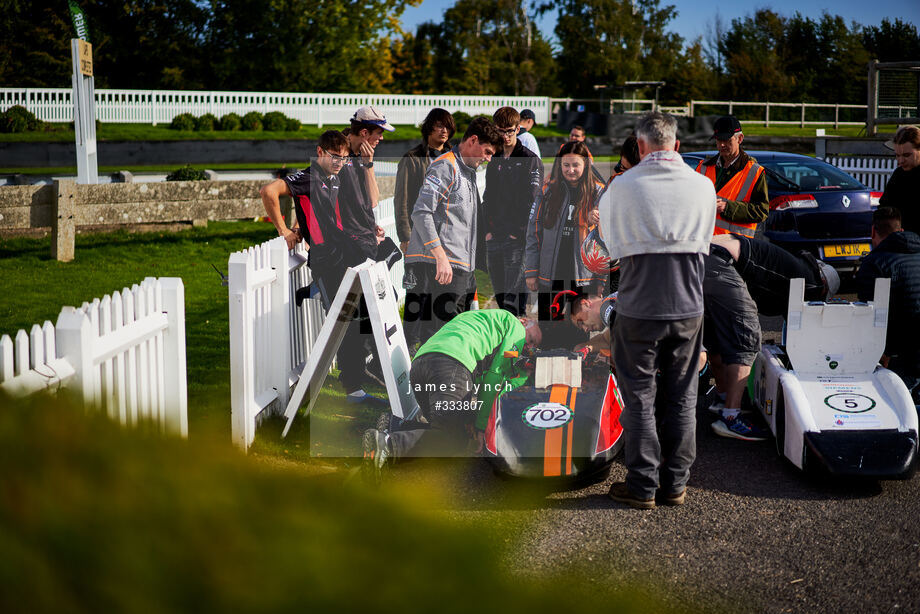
x=809 y=175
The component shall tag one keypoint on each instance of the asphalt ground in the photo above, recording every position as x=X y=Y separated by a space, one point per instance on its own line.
x=756 y=534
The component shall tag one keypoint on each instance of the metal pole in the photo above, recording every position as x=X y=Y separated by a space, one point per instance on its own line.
x=872 y=99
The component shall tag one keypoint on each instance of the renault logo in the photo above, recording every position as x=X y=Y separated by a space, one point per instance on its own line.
x=846 y=201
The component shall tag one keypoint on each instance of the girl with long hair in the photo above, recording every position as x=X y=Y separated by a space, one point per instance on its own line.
x=559 y=222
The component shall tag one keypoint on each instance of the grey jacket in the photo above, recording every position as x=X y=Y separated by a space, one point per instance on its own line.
x=445 y=213
x=541 y=253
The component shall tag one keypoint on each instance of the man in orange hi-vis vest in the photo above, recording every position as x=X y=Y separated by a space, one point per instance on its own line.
x=741 y=185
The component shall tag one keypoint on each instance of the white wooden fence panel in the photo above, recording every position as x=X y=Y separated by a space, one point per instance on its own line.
x=160 y=106
x=872 y=171
x=123 y=354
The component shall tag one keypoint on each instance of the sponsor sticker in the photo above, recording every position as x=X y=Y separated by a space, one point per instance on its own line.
x=857 y=421
x=545 y=416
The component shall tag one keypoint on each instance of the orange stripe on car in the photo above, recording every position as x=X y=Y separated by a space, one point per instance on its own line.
x=552 y=439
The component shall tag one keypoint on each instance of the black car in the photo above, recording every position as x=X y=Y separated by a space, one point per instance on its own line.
x=814 y=206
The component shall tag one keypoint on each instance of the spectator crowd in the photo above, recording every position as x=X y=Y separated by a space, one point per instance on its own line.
x=658 y=260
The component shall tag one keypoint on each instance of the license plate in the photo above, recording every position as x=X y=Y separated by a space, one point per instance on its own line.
x=846 y=250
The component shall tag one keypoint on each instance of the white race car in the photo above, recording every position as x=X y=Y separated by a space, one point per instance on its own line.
x=826 y=398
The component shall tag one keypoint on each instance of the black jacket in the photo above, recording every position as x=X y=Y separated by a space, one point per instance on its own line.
x=316 y=203
x=897 y=257
x=903 y=193
x=410 y=173
x=513 y=184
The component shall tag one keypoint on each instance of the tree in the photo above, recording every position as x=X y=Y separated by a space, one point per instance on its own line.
x=480 y=47
x=303 y=45
x=892 y=41
x=36 y=43
x=612 y=41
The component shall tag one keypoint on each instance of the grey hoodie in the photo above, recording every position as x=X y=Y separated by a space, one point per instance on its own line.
x=445 y=213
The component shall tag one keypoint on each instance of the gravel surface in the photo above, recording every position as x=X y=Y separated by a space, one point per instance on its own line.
x=756 y=534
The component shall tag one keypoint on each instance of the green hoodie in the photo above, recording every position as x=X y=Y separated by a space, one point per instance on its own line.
x=478 y=340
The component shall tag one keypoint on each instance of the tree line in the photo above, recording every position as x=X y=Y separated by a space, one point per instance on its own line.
x=479 y=47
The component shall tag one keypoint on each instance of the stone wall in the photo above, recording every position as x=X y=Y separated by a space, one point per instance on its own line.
x=64 y=206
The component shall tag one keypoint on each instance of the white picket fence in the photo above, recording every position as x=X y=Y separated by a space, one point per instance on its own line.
x=123 y=354
x=270 y=337
x=871 y=171
x=160 y=106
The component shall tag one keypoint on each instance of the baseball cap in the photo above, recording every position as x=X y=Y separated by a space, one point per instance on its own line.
x=528 y=114
x=726 y=127
x=370 y=115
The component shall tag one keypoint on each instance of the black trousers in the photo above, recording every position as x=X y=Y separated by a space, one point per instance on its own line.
x=353 y=351
x=429 y=305
x=443 y=387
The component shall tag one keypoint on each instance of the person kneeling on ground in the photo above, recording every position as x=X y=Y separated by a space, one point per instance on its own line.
x=593 y=313
x=456 y=377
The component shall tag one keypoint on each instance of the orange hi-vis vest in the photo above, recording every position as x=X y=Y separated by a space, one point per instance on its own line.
x=738 y=187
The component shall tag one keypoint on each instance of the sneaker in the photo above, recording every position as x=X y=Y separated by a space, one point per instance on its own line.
x=377 y=455
x=369 y=399
x=678 y=499
x=620 y=493
x=739 y=427
x=717 y=407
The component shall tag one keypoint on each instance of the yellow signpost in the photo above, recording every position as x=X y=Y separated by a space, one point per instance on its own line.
x=86 y=58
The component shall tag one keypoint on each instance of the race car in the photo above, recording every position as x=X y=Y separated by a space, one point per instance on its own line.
x=824 y=395
x=563 y=424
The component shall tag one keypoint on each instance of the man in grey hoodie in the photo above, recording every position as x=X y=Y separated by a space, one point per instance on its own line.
x=441 y=255
x=658 y=219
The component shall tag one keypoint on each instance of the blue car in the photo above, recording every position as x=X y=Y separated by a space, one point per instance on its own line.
x=814 y=206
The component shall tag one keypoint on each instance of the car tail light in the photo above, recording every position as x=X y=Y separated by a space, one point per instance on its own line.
x=794 y=201
x=875 y=199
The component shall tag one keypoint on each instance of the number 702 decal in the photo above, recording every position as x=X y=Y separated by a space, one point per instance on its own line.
x=546 y=416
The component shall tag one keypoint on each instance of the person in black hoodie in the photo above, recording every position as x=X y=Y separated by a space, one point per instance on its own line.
x=514 y=180
x=896 y=254
x=903 y=189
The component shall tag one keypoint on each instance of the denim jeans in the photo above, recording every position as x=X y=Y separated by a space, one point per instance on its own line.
x=505 y=257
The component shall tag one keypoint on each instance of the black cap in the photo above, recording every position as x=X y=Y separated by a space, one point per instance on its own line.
x=528 y=114
x=726 y=127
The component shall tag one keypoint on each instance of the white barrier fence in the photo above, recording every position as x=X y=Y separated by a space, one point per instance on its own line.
x=123 y=354
x=160 y=106
x=871 y=171
x=270 y=336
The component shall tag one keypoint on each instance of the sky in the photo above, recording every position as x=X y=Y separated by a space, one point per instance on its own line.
x=694 y=16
